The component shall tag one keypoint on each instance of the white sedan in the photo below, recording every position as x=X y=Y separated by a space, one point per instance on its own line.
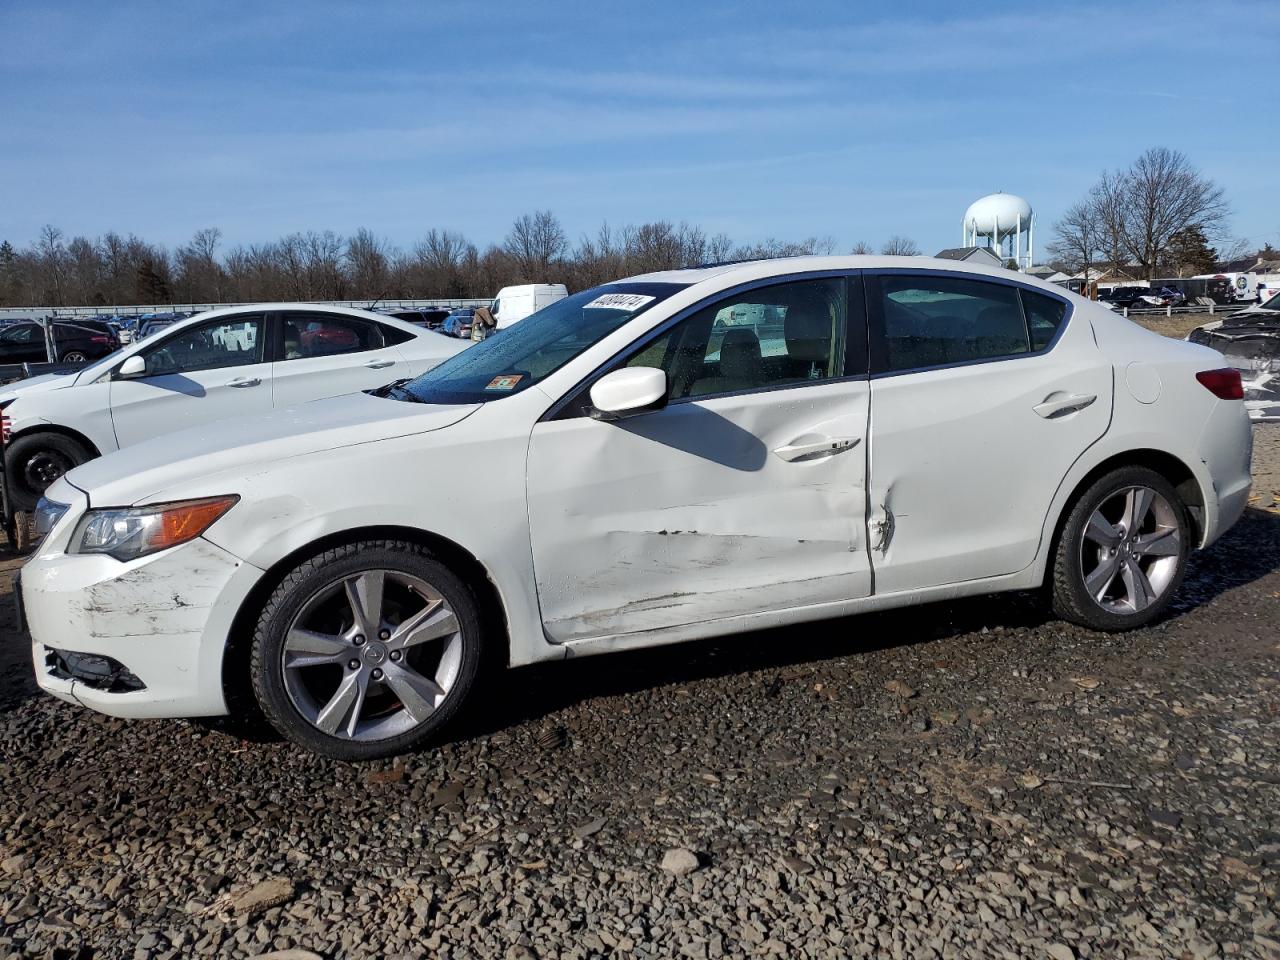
x=636 y=465
x=228 y=363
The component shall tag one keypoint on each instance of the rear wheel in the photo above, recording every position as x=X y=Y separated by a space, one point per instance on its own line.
x=366 y=650
x=36 y=460
x=1122 y=552
x=75 y=356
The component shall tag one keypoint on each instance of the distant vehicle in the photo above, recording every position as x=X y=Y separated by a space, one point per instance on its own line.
x=101 y=326
x=1243 y=287
x=1219 y=289
x=147 y=327
x=1268 y=286
x=1125 y=296
x=429 y=317
x=515 y=303
x=24 y=343
x=458 y=322
x=1250 y=340
x=232 y=362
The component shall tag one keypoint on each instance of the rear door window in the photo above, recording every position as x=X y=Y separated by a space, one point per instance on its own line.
x=308 y=335
x=931 y=321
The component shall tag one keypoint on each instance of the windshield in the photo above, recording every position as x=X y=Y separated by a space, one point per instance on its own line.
x=518 y=356
x=1273 y=303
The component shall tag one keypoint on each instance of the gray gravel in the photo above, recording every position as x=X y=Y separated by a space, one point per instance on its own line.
x=965 y=779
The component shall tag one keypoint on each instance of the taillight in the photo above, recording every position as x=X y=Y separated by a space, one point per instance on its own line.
x=99 y=338
x=4 y=428
x=1224 y=384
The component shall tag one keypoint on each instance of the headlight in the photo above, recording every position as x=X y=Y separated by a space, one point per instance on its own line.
x=48 y=512
x=129 y=533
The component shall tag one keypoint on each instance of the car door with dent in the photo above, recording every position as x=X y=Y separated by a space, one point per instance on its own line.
x=983 y=394
x=745 y=494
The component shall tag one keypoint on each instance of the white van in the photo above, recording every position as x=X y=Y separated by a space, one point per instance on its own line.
x=516 y=303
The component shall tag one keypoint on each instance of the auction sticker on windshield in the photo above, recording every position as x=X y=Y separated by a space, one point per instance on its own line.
x=507 y=382
x=619 y=301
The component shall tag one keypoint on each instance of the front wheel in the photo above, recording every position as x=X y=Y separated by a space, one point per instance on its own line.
x=1122 y=552
x=34 y=461
x=366 y=650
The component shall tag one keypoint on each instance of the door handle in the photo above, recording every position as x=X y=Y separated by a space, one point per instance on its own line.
x=1060 y=403
x=243 y=382
x=379 y=364
x=825 y=446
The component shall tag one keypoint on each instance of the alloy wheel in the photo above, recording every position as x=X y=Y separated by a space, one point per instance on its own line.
x=1130 y=550
x=372 y=655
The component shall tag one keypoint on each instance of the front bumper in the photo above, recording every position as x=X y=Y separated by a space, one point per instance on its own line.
x=165 y=618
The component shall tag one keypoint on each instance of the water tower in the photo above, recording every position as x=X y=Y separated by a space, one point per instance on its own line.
x=1003 y=220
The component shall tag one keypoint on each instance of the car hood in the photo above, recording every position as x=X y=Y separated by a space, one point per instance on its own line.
x=41 y=384
x=138 y=473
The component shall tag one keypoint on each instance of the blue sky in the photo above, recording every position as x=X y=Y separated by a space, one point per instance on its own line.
x=842 y=119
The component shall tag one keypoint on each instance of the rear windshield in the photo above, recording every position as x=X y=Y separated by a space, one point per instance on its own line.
x=516 y=357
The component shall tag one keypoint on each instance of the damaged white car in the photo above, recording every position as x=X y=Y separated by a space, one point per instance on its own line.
x=685 y=454
x=1250 y=341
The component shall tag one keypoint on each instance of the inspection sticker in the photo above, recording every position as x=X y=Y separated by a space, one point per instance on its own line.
x=630 y=302
x=507 y=382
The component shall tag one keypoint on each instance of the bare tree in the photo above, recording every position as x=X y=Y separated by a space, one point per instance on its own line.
x=536 y=241
x=1080 y=237
x=898 y=246
x=52 y=260
x=862 y=248
x=1142 y=208
x=367 y=258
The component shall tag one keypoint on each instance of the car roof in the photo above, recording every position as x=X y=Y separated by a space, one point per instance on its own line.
x=720 y=275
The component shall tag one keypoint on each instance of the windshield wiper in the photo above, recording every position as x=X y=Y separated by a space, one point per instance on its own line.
x=396 y=391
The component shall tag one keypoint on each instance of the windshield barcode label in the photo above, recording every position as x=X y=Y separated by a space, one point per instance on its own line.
x=619 y=301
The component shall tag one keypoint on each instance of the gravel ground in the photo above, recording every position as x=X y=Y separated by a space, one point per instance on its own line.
x=964 y=779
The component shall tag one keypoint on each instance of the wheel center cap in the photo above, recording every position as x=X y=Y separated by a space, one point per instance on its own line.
x=374 y=653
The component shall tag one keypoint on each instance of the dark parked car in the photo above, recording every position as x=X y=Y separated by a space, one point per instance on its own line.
x=24 y=343
x=429 y=317
x=99 y=326
x=1125 y=296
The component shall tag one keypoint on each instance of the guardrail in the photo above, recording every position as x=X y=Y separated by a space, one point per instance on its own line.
x=1170 y=311
x=134 y=310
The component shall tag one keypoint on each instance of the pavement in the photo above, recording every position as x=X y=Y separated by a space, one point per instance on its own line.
x=971 y=779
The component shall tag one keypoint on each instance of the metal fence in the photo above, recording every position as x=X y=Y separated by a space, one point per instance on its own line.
x=133 y=310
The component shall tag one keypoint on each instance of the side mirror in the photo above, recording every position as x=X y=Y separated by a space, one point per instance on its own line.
x=135 y=366
x=628 y=392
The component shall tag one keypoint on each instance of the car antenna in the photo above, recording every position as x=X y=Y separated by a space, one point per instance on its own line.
x=381 y=296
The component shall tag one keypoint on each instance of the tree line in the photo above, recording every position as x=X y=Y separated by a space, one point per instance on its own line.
x=1153 y=219
x=323 y=265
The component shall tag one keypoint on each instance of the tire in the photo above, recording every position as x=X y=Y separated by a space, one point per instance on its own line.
x=1111 y=574
x=75 y=356
x=35 y=460
x=403 y=686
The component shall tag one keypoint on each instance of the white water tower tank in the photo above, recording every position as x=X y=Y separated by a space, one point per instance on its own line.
x=997 y=211
x=998 y=217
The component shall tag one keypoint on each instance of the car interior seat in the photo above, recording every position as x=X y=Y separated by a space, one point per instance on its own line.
x=741 y=366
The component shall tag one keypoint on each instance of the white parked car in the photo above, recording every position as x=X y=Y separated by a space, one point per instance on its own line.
x=229 y=363
x=626 y=468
